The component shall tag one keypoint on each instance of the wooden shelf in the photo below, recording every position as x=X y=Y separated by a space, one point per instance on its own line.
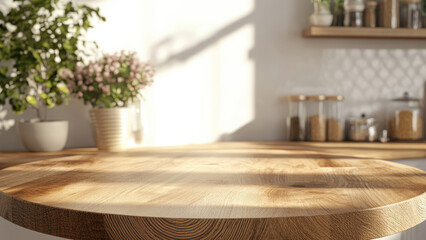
x=352 y=32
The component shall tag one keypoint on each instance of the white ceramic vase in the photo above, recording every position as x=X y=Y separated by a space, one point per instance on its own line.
x=111 y=128
x=322 y=16
x=48 y=136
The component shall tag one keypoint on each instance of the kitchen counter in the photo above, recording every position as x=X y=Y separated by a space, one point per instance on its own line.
x=258 y=190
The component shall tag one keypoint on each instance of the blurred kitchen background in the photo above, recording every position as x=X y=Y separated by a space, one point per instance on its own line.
x=225 y=67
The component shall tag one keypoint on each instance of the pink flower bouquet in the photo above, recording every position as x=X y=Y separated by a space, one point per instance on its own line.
x=112 y=81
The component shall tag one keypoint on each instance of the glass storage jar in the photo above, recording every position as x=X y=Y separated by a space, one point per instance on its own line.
x=389 y=13
x=362 y=129
x=296 y=120
x=335 y=119
x=354 y=11
x=317 y=120
x=411 y=14
x=370 y=14
x=405 y=119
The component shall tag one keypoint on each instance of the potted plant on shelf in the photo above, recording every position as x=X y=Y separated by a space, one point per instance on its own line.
x=424 y=14
x=322 y=15
x=109 y=85
x=40 y=45
x=338 y=13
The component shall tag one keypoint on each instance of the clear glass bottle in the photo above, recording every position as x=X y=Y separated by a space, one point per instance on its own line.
x=296 y=120
x=389 y=13
x=136 y=122
x=317 y=119
x=335 y=119
x=405 y=119
x=354 y=11
x=370 y=14
x=411 y=14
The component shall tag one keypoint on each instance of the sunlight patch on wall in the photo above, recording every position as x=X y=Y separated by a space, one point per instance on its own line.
x=122 y=29
x=205 y=79
x=237 y=81
x=208 y=95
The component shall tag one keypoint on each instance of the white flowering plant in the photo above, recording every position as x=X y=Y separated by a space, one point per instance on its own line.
x=112 y=81
x=37 y=40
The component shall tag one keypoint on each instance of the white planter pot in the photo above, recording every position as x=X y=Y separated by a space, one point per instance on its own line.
x=49 y=136
x=322 y=16
x=111 y=128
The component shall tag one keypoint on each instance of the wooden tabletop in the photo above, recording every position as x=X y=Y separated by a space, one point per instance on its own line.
x=216 y=191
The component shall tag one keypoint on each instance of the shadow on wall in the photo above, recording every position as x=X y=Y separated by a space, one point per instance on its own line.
x=197 y=48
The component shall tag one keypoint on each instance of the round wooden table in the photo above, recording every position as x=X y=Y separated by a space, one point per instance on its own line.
x=215 y=191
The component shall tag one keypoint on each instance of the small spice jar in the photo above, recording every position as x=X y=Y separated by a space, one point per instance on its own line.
x=389 y=13
x=370 y=14
x=354 y=10
x=335 y=118
x=317 y=120
x=405 y=119
x=411 y=14
x=296 y=120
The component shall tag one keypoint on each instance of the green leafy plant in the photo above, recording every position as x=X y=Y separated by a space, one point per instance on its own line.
x=112 y=81
x=338 y=6
x=327 y=2
x=39 y=39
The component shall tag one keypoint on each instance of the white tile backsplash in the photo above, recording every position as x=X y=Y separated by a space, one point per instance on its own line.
x=370 y=77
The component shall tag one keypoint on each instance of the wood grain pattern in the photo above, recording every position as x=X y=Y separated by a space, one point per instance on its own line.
x=215 y=191
x=351 y=32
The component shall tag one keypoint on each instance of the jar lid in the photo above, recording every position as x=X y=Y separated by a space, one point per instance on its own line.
x=335 y=98
x=296 y=98
x=316 y=98
x=362 y=121
x=371 y=3
x=406 y=98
